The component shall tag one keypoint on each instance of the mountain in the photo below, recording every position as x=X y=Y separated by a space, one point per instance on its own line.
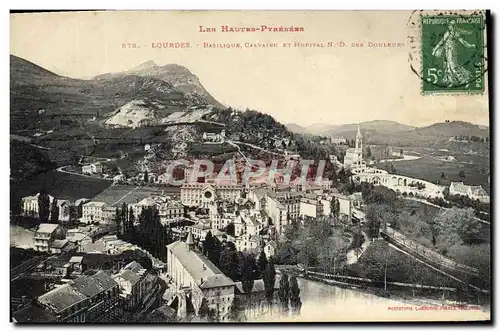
x=178 y=76
x=375 y=126
x=452 y=128
x=295 y=128
x=66 y=100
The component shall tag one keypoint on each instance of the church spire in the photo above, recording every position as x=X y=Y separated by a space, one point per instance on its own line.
x=359 y=132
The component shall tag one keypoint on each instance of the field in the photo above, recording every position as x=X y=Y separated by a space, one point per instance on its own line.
x=430 y=168
x=130 y=194
x=59 y=185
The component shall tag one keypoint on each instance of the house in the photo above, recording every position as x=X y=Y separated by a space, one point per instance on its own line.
x=277 y=212
x=135 y=284
x=65 y=303
x=93 y=212
x=64 y=207
x=164 y=178
x=92 y=169
x=60 y=246
x=45 y=234
x=194 y=273
x=311 y=207
x=214 y=137
x=29 y=205
x=199 y=231
x=356 y=199
x=247 y=242
x=338 y=140
x=473 y=192
x=88 y=299
x=170 y=210
x=76 y=264
x=270 y=248
x=147 y=147
x=102 y=293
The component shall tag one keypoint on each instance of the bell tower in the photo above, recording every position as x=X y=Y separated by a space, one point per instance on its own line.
x=359 y=147
x=359 y=139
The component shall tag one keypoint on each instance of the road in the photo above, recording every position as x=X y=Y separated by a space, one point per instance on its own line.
x=259 y=148
x=131 y=191
x=405 y=158
x=62 y=170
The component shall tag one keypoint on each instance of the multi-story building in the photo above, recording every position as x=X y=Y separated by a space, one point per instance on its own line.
x=197 y=278
x=170 y=210
x=102 y=294
x=247 y=223
x=203 y=194
x=247 y=242
x=270 y=248
x=136 y=285
x=29 y=205
x=65 y=303
x=92 y=169
x=199 y=231
x=45 y=234
x=277 y=212
x=338 y=140
x=97 y=212
x=221 y=221
x=88 y=299
x=64 y=207
x=311 y=207
x=290 y=201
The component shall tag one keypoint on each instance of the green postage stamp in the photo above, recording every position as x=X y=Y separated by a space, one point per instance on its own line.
x=453 y=54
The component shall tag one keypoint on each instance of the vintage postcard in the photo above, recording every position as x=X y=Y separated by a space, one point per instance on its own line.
x=250 y=166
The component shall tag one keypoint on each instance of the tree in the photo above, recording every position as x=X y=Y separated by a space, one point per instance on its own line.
x=295 y=301
x=458 y=226
x=118 y=221
x=229 y=262
x=269 y=280
x=43 y=206
x=335 y=207
x=461 y=174
x=401 y=151
x=146 y=176
x=373 y=220
x=130 y=221
x=207 y=243
x=248 y=273
x=284 y=291
x=443 y=175
x=392 y=169
x=124 y=218
x=54 y=212
x=262 y=262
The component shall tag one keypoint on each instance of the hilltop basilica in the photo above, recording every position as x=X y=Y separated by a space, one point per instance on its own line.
x=354 y=156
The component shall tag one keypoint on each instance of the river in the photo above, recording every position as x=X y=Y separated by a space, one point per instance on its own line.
x=324 y=303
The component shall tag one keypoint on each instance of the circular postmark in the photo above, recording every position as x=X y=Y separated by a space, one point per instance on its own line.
x=448 y=50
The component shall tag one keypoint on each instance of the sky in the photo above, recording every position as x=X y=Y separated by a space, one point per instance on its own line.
x=302 y=85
